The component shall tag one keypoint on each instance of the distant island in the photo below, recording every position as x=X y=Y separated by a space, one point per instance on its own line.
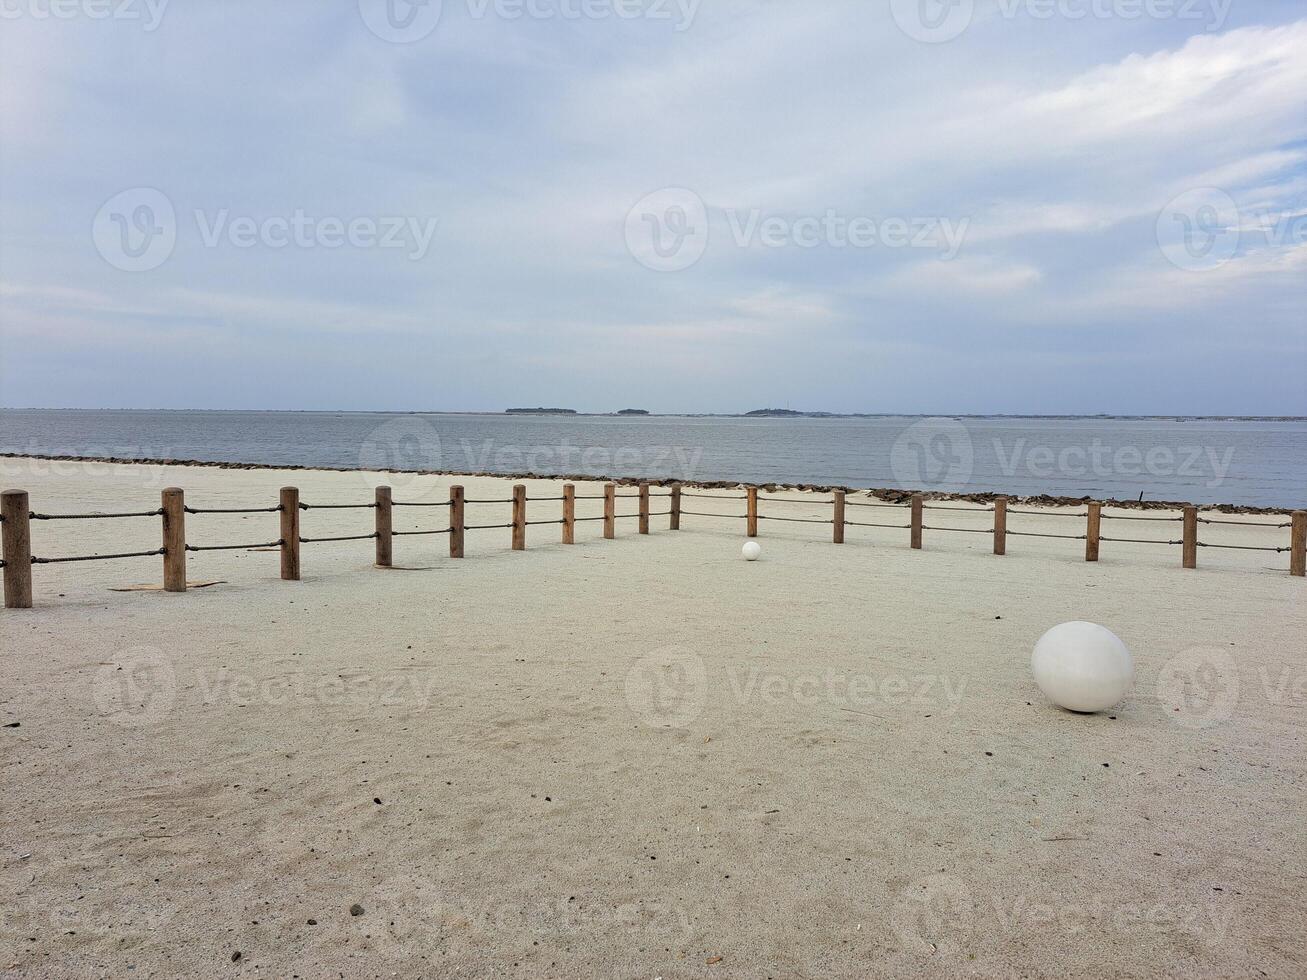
x=634 y=411
x=540 y=411
x=784 y=413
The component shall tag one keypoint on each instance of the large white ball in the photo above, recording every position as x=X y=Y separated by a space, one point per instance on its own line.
x=1082 y=666
x=752 y=551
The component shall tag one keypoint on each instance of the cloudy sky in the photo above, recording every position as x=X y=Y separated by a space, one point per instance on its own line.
x=1036 y=206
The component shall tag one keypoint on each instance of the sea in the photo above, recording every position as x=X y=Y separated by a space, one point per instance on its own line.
x=1241 y=461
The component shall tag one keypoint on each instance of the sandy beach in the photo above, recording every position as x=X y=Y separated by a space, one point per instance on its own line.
x=638 y=758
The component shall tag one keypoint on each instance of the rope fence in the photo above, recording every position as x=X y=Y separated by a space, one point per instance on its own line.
x=125 y=554
x=17 y=558
x=93 y=517
x=230 y=510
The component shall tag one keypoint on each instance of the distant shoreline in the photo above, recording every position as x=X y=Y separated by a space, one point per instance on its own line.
x=536 y=413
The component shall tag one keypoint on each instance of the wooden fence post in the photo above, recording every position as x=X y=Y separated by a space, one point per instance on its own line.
x=290 y=533
x=644 y=508
x=610 y=511
x=675 y=522
x=1094 y=521
x=569 y=513
x=519 y=517
x=174 y=540
x=916 y=521
x=1297 y=544
x=455 y=522
x=1190 y=537
x=751 y=510
x=1000 y=525
x=839 y=517
x=17 y=534
x=384 y=527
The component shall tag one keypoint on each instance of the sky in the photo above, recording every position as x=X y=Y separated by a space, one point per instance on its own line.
x=917 y=206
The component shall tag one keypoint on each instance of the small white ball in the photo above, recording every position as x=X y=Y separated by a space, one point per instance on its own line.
x=752 y=551
x=1082 y=666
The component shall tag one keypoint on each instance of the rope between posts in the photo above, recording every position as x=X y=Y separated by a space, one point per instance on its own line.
x=508 y=501
x=660 y=513
x=538 y=523
x=695 y=513
x=1139 y=540
x=1128 y=517
x=93 y=516
x=485 y=527
x=713 y=496
x=1032 y=534
x=965 y=510
x=402 y=503
x=1204 y=520
x=1241 y=547
x=965 y=530
x=534 y=500
x=371 y=506
x=866 y=524
x=231 y=510
x=235 y=547
x=348 y=537
x=1044 y=513
x=796 y=520
x=411 y=534
x=581 y=520
x=126 y=554
x=867 y=503
x=791 y=500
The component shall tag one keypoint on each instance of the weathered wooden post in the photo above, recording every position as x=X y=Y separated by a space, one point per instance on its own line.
x=16 y=532
x=1297 y=543
x=644 y=508
x=385 y=526
x=1000 y=525
x=675 y=522
x=916 y=520
x=751 y=510
x=519 y=517
x=174 y=540
x=1190 y=537
x=610 y=510
x=455 y=522
x=839 y=517
x=569 y=513
x=1094 y=521
x=290 y=533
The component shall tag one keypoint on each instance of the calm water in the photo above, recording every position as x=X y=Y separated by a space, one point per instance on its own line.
x=1260 y=463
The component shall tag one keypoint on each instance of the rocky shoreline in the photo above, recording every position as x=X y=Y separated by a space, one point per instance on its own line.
x=888 y=495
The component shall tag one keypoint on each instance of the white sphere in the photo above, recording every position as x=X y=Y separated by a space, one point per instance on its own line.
x=1082 y=666
x=752 y=551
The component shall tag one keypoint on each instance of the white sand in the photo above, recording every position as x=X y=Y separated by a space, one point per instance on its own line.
x=626 y=758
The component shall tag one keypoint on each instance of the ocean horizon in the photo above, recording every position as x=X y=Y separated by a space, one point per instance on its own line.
x=1236 y=460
